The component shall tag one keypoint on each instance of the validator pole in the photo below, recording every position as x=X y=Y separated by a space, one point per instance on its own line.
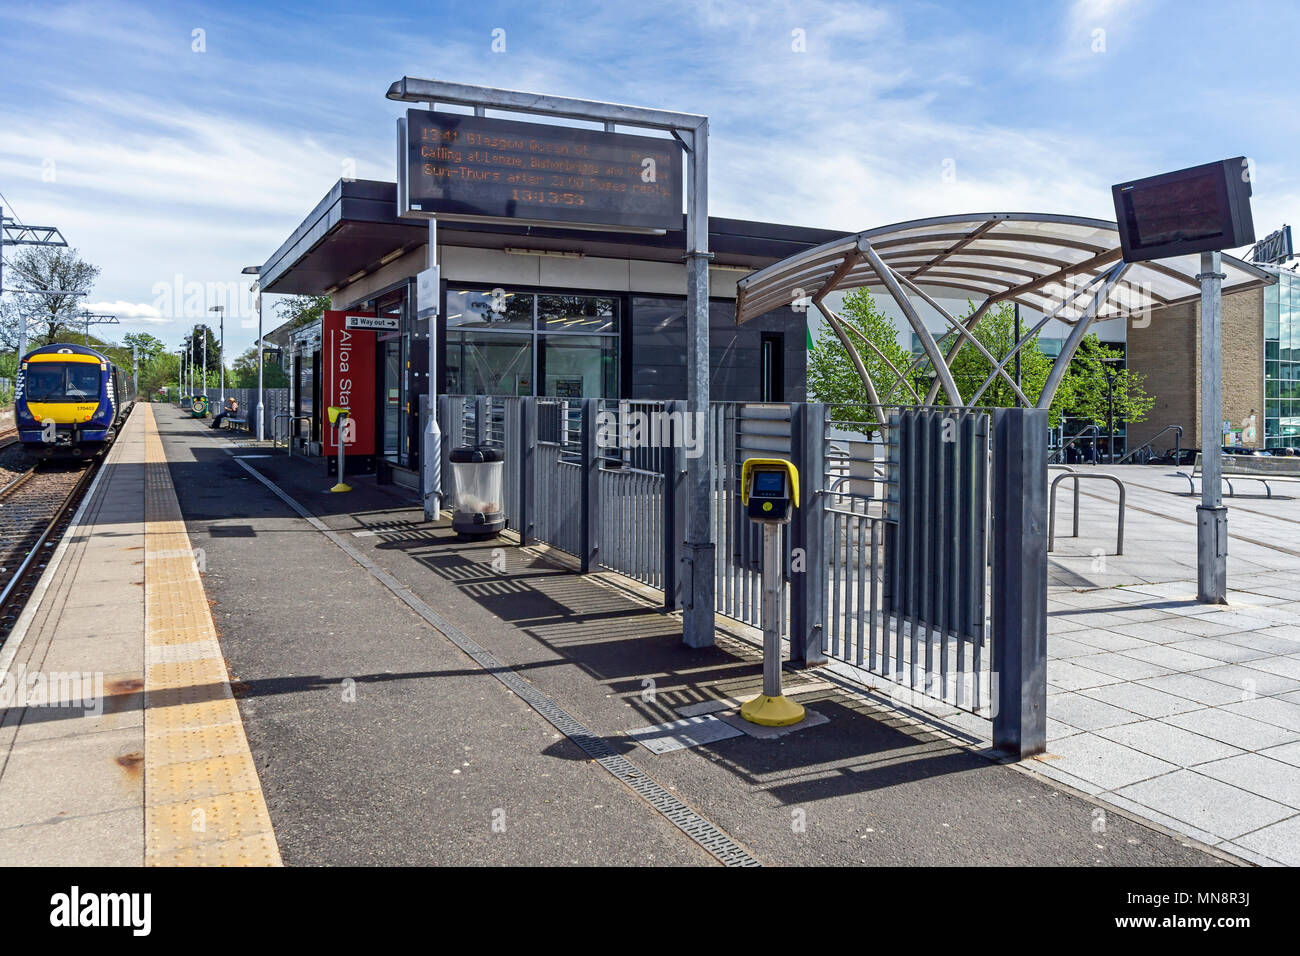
x=692 y=131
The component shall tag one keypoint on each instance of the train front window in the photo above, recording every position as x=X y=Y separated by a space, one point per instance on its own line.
x=62 y=382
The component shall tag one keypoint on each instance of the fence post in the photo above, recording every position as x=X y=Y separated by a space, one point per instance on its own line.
x=527 y=465
x=480 y=420
x=672 y=465
x=807 y=533
x=443 y=409
x=1019 y=585
x=589 y=538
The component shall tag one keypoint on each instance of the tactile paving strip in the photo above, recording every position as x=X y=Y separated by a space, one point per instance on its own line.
x=203 y=802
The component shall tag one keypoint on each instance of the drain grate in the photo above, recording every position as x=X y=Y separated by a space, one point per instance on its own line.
x=704 y=833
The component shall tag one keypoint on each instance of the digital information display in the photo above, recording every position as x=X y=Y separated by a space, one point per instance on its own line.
x=1199 y=209
x=477 y=168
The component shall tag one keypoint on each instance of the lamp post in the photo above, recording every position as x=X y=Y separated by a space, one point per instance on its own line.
x=221 y=346
x=261 y=346
x=1111 y=373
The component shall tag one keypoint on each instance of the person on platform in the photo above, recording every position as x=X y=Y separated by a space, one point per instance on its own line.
x=230 y=408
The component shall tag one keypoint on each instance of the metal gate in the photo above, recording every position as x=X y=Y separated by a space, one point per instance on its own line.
x=905 y=530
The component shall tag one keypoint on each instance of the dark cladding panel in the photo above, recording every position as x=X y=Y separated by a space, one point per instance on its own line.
x=659 y=349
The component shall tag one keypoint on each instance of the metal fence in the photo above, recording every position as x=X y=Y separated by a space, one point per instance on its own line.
x=890 y=567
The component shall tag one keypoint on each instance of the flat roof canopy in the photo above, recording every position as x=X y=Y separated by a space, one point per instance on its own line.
x=1036 y=259
x=355 y=228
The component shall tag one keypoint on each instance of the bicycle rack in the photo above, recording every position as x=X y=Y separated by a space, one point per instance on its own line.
x=1051 y=518
x=1178 y=444
x=275 y=429
x=1096 y=437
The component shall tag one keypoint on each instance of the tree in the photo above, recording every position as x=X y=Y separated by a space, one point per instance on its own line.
x=832 y=377
x=1083 y=392
x=244 y=372
x=213 y=364
x=997 y=333
x=146 y=346
x=158 y=372
x=300 y=310
x=50 y=318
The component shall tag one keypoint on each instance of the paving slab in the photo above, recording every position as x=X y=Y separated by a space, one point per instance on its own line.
x=1258 y=774
x=1180 y=747
x=1106 y=764
x=1207 y=804
x=1233 y=729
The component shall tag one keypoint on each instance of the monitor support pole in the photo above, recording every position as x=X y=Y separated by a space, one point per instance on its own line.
x=1211 y=515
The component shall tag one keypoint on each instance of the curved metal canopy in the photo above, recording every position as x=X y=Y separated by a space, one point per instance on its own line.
x=1069 y=268
x=1036 y=259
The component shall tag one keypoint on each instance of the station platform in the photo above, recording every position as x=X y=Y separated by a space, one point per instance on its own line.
x=349 y=684
x=125 y=746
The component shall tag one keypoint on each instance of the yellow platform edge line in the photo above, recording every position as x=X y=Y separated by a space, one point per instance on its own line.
x=205 y=805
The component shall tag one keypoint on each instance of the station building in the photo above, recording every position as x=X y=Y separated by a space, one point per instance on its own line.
x=528 y=310
x=575 y=313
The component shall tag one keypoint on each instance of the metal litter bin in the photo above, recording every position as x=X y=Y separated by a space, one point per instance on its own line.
x=478 y=472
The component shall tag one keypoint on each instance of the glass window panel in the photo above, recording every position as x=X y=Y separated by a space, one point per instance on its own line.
x=578 y=366
x=1271 y=351
x=577 y=313
x=487 y=363
x=1288 y=334
x=495 y=310
x=1272 y=310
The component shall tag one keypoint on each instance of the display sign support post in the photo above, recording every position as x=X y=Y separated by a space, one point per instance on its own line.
x=1211 y=516
x=698 y=554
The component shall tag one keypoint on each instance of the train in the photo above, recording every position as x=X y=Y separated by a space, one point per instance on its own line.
x=70 y=401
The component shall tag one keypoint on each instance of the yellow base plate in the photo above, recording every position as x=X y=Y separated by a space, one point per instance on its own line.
x=772 y=711
x=341 y=487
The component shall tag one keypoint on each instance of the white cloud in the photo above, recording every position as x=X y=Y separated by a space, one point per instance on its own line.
x=133 y=311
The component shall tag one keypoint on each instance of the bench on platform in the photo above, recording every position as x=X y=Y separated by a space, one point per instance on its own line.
x=1263 y=470
x=231 y=421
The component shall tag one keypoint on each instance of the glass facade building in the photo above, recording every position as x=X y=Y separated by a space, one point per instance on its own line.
x=1282 y=362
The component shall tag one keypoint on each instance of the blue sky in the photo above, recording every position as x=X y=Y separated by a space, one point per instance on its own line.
x=173 y=158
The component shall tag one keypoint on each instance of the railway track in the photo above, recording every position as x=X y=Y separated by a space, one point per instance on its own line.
x=36 y=506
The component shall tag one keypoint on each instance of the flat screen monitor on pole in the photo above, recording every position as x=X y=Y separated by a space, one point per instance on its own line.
x=1199 y=209
x=453 y=166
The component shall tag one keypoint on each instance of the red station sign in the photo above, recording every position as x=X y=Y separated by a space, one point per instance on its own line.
x=349 y=371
